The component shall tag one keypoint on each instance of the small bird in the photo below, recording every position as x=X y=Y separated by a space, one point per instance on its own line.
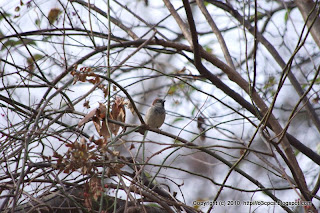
x=156 y=114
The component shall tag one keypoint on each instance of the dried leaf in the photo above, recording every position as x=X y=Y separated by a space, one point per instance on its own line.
x=87 y=117
x=122 y=115
x=104 y=130
x=75 y=67
x=86 y=104
x=118 y=113
x=132 y=146
x=116 y=153
x=129 y=106
x=97 y=79
x=53 y=15
x=82 y=77
x=200 y=125
x=183 y=70
x=99 y=142
x=97 y=124
x=200 y=122
x=94 y=80
x=316 y=100
x=102 y=111
x=31 y=62
x=105 y=91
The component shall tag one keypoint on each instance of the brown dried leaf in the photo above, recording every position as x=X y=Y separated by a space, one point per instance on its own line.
x=105 y=91
x=200 y=125
x=116 y=153
x=53 y=15
x=122 y=115
x=97 y=124
x=94 y=80
x=99 y=142
x=183 y=70
x=86 y=104
x=75 y=67
x=119 y=101
x=88 y=117
x=104 y=130
x=73 y=72
x=113 y=128
x=129 y=106
x=132 y=146
x=97 y=79
x=118 y=113
x=102 y=111
x=82 y=77
x=316 y=100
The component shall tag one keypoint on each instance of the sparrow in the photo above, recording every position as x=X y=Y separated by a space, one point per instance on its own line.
x=156 y=114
